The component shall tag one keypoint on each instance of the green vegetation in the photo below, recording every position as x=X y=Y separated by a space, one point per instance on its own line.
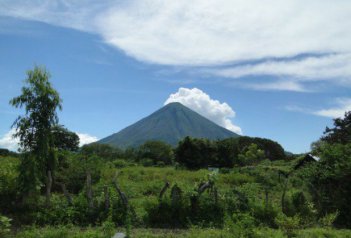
x=235 y=187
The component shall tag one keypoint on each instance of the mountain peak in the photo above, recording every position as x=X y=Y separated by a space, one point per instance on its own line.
x=174 y=104
x=169 y=124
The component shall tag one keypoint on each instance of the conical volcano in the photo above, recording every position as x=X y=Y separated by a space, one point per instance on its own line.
x=169 y=124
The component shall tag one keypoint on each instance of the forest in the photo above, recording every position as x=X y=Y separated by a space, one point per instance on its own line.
x=236 y=187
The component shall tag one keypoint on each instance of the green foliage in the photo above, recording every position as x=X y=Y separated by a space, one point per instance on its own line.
x=240 y=225
x=227 y=152
x=201 y=153
x=157 y=151
x=288 y=224
x=330 y=182
x=329 y=219
x=102 y=150
x=64 y=139
x=8 y=181
x=5 y=226
x=6 y=152
x=195 y=153
x=29 y=181
x=272 y=150
x=40 y=101
x=341 y=132
x=252 y=154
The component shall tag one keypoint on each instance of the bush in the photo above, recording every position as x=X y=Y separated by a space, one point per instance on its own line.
x=288 y=224
x=240 y=225
x=120 y=163
x=329 y=219
x=5 y=226
x=147 y=162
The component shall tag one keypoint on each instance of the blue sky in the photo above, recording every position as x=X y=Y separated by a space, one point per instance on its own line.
x=272 y=72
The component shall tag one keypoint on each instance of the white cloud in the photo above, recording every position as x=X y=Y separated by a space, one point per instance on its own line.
x=282 y=85
x=86 y=138
x=209 y=33
x=8 y=142
x=341 y=105
x=201 y=103
x=334 y=67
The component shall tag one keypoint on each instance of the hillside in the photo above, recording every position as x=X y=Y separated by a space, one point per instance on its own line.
x=170 y=124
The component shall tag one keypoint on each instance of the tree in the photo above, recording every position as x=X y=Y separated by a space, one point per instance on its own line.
x=252 y=154
x=341 y=132
x=64 y=139
x=157 y=151
x=330 y=178
x=227 y=152
x=330 y=182
x=102 y=150
x=196 y=153
x=272 y=150
x=40 y=101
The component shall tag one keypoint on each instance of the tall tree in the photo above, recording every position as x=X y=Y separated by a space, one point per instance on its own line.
x=34 y=129
x=341 y=132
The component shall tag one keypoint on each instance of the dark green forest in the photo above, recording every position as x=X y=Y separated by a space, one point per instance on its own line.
x=234 y=187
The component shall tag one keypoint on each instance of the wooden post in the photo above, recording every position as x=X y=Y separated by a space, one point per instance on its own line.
x=163 y=190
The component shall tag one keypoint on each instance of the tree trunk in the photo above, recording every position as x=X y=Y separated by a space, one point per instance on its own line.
x=48 y=187
x=89 y=190
x=121 y=194
x=65 y=192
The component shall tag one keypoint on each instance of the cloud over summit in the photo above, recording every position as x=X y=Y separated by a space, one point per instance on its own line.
x=202 y=103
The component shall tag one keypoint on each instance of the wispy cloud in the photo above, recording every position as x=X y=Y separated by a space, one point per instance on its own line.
x=341 y=105
x=202 y=103
x=216 y=33
x=282 y=85
x=294 y=74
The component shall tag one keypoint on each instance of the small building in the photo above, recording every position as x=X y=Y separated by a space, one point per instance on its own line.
x=308 y=158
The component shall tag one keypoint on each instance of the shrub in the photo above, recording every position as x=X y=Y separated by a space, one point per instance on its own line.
x=288 y=224
x=5 y=226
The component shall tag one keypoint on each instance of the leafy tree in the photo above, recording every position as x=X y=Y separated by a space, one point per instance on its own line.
x=64 y=139
x=250 y=155
x=196 y=153
x=227 y=152
x=157 y=151
x=103 y=150
x=6 y=152
x=40 y=101
x=341 y=132
x=330 y=182
x=272 y=150
x=330 y=178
